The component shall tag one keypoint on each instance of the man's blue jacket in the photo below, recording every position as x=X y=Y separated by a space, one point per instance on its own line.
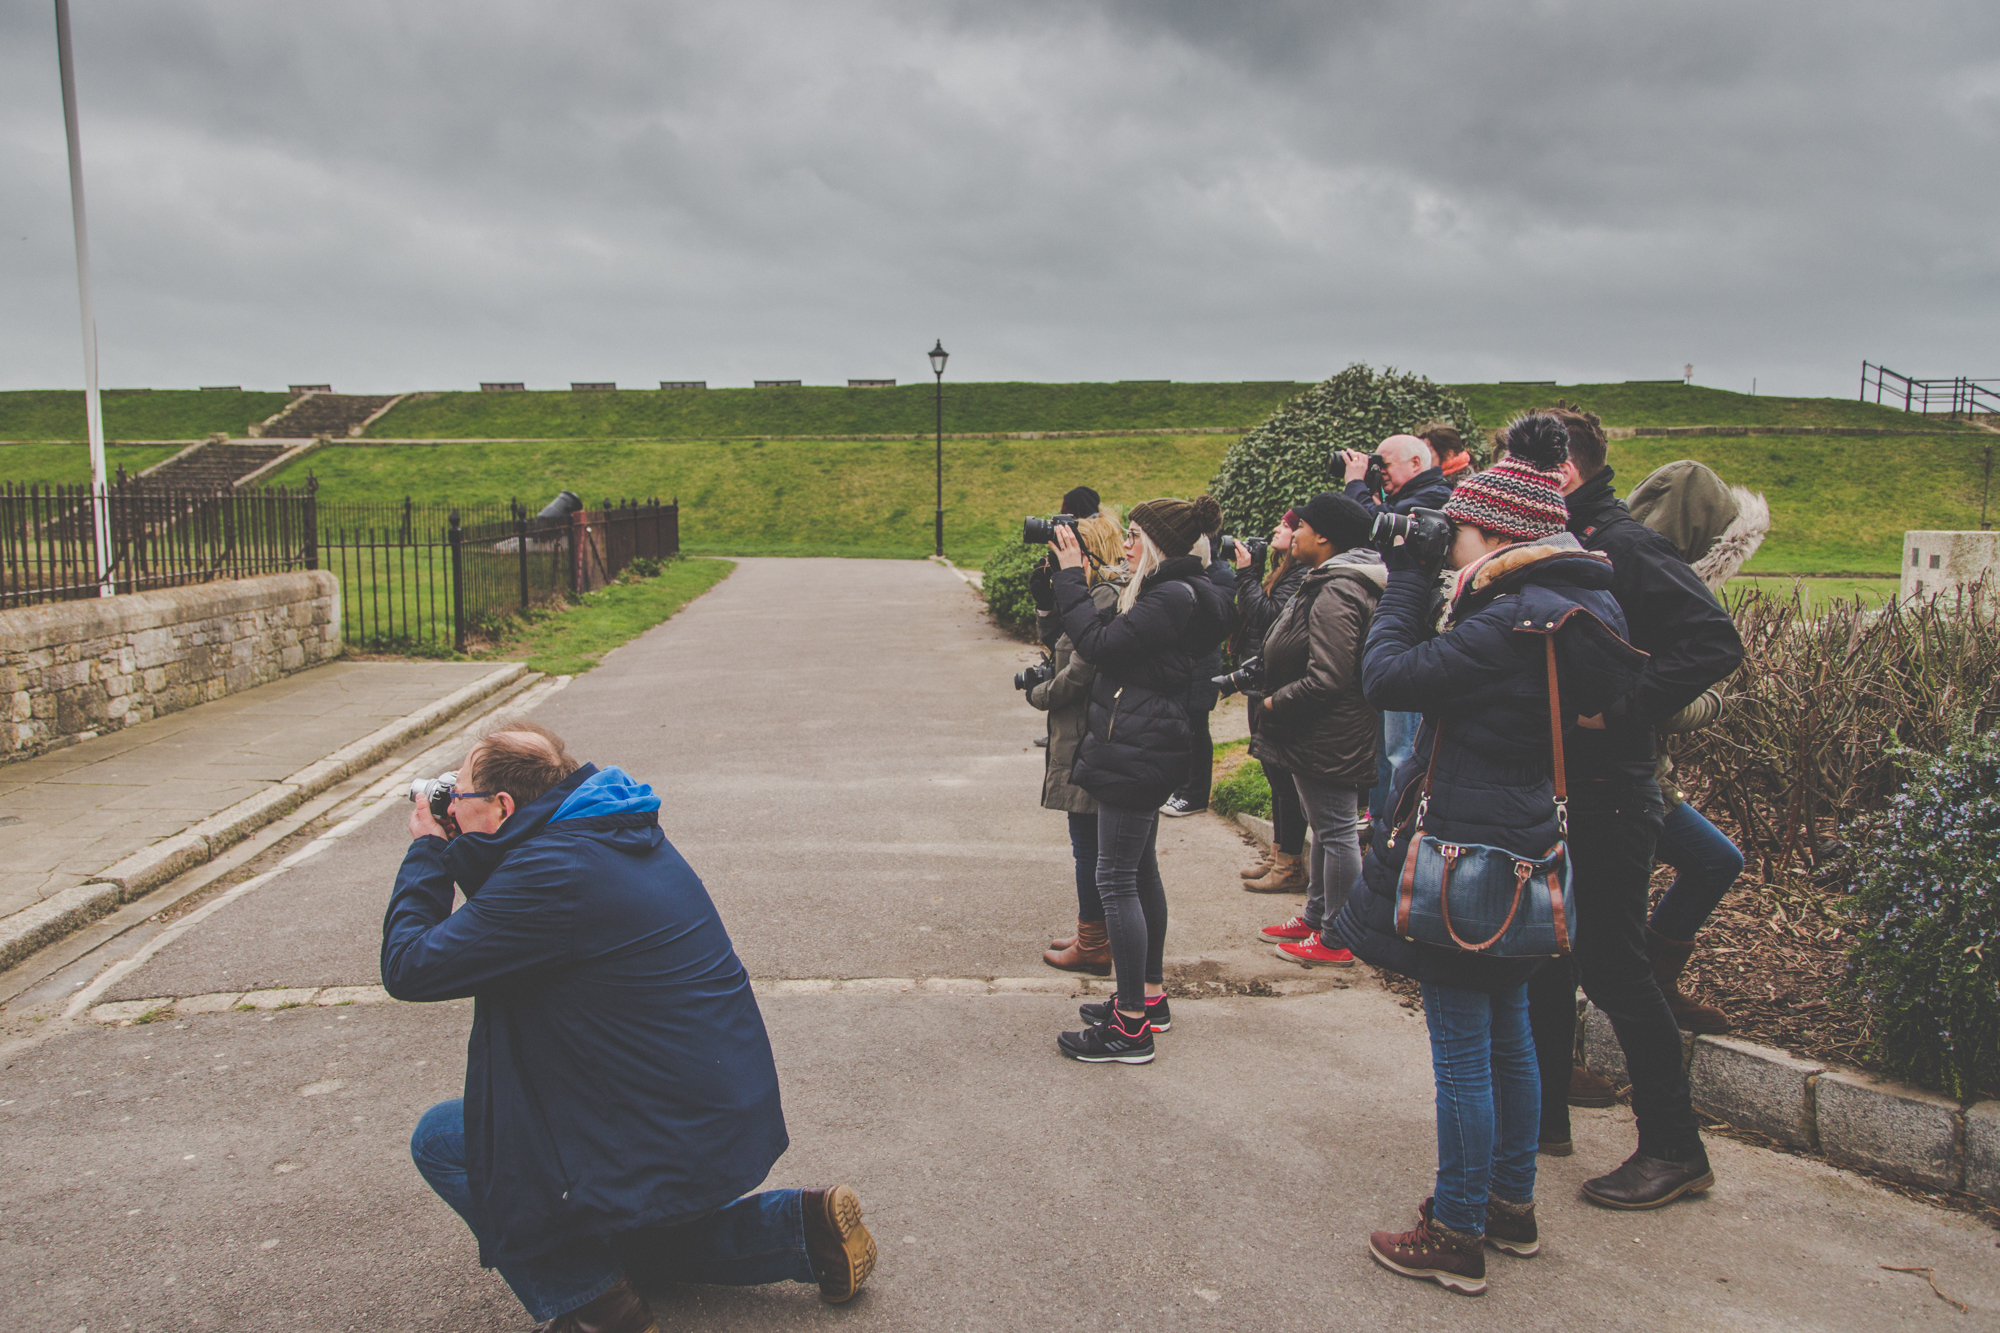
x=618 y=1074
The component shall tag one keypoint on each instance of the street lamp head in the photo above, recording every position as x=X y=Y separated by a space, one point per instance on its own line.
x=938 y=357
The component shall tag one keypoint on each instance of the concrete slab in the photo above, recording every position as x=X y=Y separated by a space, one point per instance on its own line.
x=1754 y=1087
x=1982 y=1150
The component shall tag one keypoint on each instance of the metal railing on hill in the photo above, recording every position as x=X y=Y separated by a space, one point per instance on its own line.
x=161 y=537
x=1958 y=396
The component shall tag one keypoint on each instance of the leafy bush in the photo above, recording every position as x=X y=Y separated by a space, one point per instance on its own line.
x=1240 y=784
x=1825 y=697
x=1283 y=462
x=1926 y=971
x=1004 y=580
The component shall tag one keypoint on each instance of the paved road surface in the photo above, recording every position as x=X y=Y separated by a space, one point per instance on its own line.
x=842 y=757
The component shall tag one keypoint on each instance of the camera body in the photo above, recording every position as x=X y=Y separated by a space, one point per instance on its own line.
x=1246 y=677
x=435 y=792
x=1225 y=549
x=1042 y=531
x=1377 y=478
x=1027 y=679
x=1426 y=535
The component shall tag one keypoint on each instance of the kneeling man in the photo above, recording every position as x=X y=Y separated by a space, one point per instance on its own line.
x=620 y=1095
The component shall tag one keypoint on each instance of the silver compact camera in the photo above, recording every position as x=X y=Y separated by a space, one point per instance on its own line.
x=436 y=792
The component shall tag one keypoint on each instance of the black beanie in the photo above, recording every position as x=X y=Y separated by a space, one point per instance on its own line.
x=1338 y=519
x=1081 y=502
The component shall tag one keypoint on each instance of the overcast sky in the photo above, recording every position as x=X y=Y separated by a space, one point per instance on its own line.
x=389 y=196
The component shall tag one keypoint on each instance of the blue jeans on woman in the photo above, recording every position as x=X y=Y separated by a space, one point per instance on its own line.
x=1489 y=1101
x=1705 y=862
x=1083 y=847
x=757 y=1239
x=1135 y=901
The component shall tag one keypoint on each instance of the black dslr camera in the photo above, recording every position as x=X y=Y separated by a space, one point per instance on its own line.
x=1426 y=535
x=1377 y=479
x=1027 y=679
x=1246 y=677
x=1226 y=549
x=1042 y=531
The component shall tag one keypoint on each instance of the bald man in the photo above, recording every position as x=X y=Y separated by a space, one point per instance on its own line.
x=1414 y=481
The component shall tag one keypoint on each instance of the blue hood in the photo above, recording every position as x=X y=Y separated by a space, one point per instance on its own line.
x=609 y=791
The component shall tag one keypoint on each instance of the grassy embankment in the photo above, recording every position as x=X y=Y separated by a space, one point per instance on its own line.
x=132 y=414
x=573 y=639
x=69 y=464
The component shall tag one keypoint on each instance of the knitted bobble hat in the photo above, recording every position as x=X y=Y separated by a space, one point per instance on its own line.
x=1521 y=495
x=1175 y=525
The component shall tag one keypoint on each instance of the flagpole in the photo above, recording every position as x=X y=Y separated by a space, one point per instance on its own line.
x=92 y=410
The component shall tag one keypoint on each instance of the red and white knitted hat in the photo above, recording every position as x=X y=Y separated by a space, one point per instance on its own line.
x=1521 y=495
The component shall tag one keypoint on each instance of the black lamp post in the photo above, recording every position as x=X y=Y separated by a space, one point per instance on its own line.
x=938 y=357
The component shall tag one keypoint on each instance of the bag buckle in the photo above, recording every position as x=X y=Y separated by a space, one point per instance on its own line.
x=1562 y=816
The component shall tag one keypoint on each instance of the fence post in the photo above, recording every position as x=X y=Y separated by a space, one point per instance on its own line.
x=457 y=537
x=521 y=548
x=312 y=521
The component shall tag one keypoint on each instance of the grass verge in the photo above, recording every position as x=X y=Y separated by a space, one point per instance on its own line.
x=1642 y=404
x=1240 y=785
x=570 y=640
x=134 y=414
x=69 y=464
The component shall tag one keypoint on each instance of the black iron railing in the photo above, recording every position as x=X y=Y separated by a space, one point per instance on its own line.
x=1959 y=396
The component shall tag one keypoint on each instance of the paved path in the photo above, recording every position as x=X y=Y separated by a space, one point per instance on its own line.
x=844 y=761
x=67 y=815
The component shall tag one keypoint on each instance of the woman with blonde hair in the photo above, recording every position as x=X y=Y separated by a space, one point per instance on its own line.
x=1136 y=746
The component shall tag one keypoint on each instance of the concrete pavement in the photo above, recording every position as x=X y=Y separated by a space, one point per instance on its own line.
x=842 y=758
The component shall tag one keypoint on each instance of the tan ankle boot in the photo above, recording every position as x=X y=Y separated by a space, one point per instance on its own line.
x=1590 y=1090
x=1261 y=869
x=1089 y=952
x=1670 y=959
x=1287 y=875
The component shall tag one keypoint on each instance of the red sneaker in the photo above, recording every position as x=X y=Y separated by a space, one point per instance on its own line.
x=1291 y=932
x=1309 y=952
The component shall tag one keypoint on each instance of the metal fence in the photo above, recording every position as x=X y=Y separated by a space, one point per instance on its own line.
x=1958 y=395
x=160 y=538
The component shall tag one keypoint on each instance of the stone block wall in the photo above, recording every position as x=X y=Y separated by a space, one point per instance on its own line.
x=1935 y=562
x=70 y=670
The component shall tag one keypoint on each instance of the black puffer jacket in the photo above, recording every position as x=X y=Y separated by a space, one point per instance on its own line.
x=1691 y=639
x=1135 y=749
x=1202 y=692
x=1319 y=726
x=1427 y=490
x=1483 y=689
x=1256 y=612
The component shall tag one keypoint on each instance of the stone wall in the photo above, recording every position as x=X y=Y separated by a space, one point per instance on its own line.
x=70 y=670
x=1935 y=562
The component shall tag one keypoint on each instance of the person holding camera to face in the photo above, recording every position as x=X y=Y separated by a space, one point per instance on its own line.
x=1136 y=747
x=1399 y=476
x=1192 y=795
x=1258 y=602
x=1313 y=723
x=620 y=1094
x=1060 y=687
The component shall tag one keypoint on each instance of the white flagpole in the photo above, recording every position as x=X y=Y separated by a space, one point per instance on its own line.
x=93 y=413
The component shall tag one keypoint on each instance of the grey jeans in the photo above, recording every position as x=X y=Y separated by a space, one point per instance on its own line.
x=1336 y=847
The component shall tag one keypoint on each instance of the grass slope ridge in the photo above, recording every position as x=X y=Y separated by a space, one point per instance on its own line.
x=908 y=409
x=129 y=414
x=68 y=464
x=1685 y=405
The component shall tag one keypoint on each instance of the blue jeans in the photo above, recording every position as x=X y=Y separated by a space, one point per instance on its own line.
x=1083 y=847
x=1398 y=741
x=1489 y=1101
x=1706 y=863
x=1135 y=901
x=760 y=1238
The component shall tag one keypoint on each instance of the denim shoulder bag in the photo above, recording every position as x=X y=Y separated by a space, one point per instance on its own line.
x=1509 y=904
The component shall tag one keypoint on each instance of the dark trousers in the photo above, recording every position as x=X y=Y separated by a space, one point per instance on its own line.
x=1083 y=848
x=1201 y=762
x=1288 y=812
x=1135 y=901
x=1613 y=827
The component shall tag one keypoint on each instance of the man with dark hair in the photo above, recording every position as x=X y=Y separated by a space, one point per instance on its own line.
x=1615 y=813
x=620 y=1095
x=1454 y=461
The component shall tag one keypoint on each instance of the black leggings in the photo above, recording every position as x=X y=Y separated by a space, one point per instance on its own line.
x=1135 y=901
x=1288 y=813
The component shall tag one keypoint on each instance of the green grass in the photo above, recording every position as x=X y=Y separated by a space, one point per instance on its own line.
x=1678 y=405
x=1240 y=784
x=1820 y=593
x=816 y=410
x=69 y=464
x=572 y=640
x=162 y=414
x=798 y=497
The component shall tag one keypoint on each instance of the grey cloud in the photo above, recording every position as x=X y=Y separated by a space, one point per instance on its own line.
x=390 y=196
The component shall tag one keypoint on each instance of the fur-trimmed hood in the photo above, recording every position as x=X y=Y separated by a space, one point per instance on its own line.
x=1556 y=559
x=1716 y=527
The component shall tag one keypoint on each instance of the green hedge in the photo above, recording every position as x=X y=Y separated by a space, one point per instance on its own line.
x=1004 y=580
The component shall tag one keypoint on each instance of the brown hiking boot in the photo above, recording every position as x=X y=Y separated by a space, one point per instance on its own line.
x=1286 y=875
x=1511 y=1227
x=1649 y=1182
x=841 y=1250
x=1455 y=1260
x=619 y=1310
x=1261 y=869
x=1089 y=952
x=1670 y=959
x=1591 y=1090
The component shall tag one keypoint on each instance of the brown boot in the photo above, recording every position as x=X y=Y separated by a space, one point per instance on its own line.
x=1590 y=1090
x=1455 y=1260
x=1670 y=959
x=841 y=1250
x=1089 y=952
x=1261 y=869
x=619 y=1310
x=1286 y=875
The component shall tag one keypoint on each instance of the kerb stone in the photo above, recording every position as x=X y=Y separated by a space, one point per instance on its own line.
x=1888 y=1127
x=1982 y=1150
x=1755 y=1088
